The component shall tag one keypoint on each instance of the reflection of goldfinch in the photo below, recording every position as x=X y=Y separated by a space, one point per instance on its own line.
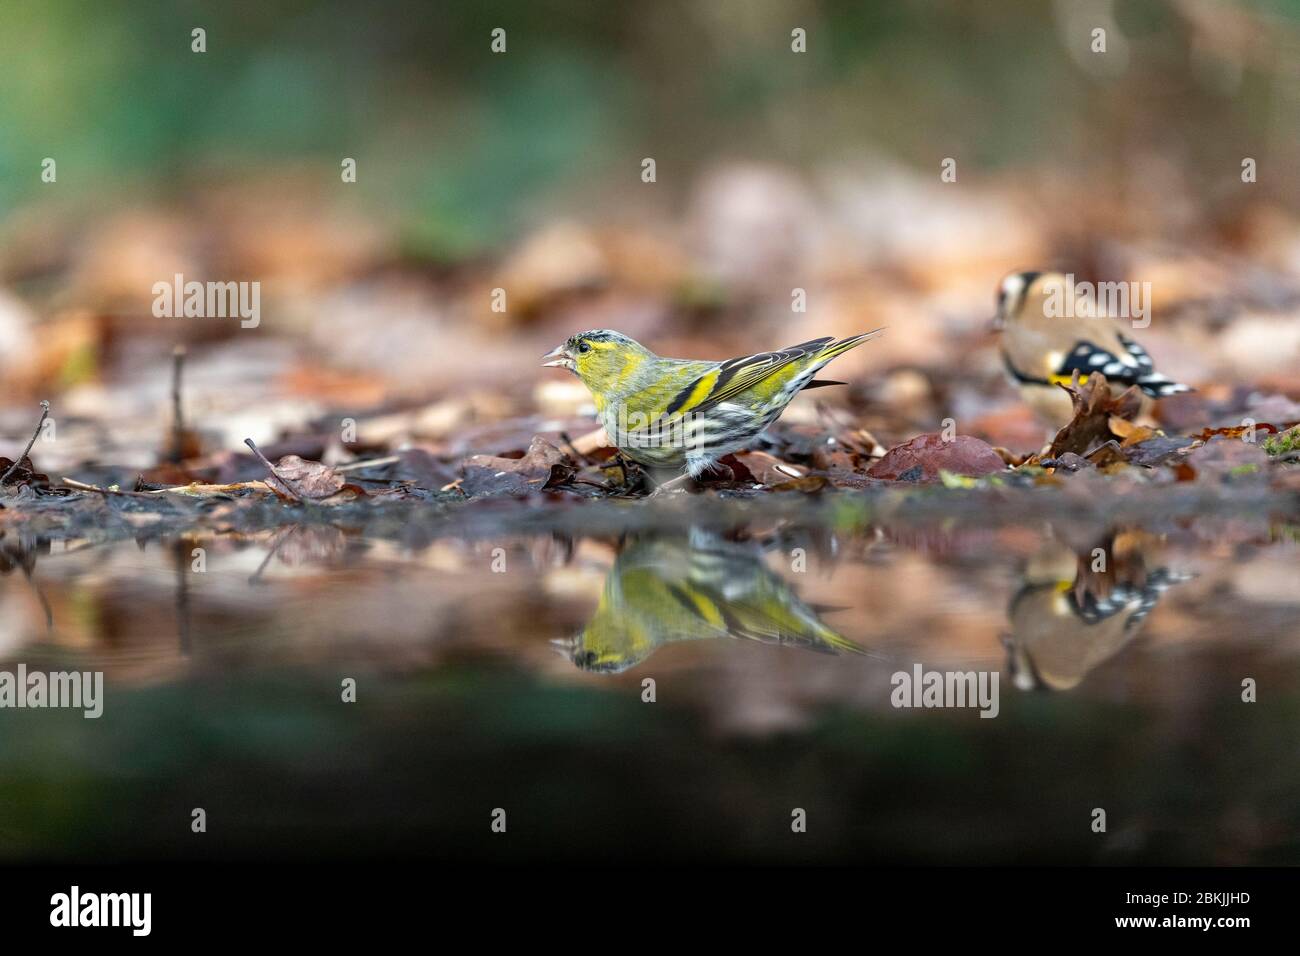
x=1068 y=618
x=672 y=588
x=1044 y=344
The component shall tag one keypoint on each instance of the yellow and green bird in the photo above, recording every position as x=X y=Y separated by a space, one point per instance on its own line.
x=667 y=587
x=682 y=413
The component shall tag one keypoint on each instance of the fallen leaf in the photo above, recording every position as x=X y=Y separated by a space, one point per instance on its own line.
x=1130 y=433
x=307 y=479
x=925 y=456
x=543 y=466
x=768 y=470
x=1106 y=454
x=24 y=474
x=1237 y=431
x=808 y=484
x=1094 y=408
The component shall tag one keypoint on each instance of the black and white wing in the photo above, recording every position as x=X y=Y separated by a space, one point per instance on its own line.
x=1131 y=366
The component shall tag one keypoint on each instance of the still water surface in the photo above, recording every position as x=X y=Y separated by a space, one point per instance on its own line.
x=510 y=671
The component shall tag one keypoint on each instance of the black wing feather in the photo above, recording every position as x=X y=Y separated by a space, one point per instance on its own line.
x=1134 y=367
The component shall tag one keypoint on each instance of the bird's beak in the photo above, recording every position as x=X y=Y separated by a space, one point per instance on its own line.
x=558 y=357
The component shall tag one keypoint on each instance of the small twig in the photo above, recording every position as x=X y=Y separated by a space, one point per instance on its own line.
x=585 y=459
x=45 y=413
x=178 y=417
x=82 y=486
x=372 y=463
x=293 y=492
x=578 y=480
x=199 y=490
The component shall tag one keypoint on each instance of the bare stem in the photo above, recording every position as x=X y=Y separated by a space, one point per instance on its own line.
x=178 y=417
x=579 y=456
x=45 y=413
x=372 y=463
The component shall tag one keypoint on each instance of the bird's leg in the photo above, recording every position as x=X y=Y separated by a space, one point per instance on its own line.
x=676 y=484
x=686 y=480
x=724 y=472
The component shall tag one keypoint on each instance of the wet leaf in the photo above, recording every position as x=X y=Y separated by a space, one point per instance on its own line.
x=1237 y=431
x=542 y=466
x=24 y=475
x=768 y=470
x=1130 y=433
x=1106 y=454
x=808 y=484
x=308 y=479
x=1094 y=410
x=924 y=457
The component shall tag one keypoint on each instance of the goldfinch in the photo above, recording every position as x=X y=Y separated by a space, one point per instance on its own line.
x=676 y=587
x=678 y=413
x=1043 y=345
x=1068 y=618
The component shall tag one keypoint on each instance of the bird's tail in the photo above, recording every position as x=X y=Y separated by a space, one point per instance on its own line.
x=843 y=345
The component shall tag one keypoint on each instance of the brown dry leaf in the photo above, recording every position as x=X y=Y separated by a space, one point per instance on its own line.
x=808 y=484
x=24 y=474
x=1130 y=433
x=1094 y=408
x=923 y=457
x=768 y=470
x=1237 y=431
x=836 y=460
x=1106 y=454
x=543 y=466
x=307 y=479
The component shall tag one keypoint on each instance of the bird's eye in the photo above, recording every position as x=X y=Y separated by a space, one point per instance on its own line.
x=584 y=346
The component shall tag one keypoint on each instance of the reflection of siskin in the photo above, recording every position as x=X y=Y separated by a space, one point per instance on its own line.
x=1042 y=347
x=669 y=588
x=670 y=413
x=1068 y=618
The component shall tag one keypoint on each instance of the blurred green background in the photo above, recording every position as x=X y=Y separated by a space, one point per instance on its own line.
x=464 y=147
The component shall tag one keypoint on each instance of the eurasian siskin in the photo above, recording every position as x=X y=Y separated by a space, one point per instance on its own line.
x=674 y=413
